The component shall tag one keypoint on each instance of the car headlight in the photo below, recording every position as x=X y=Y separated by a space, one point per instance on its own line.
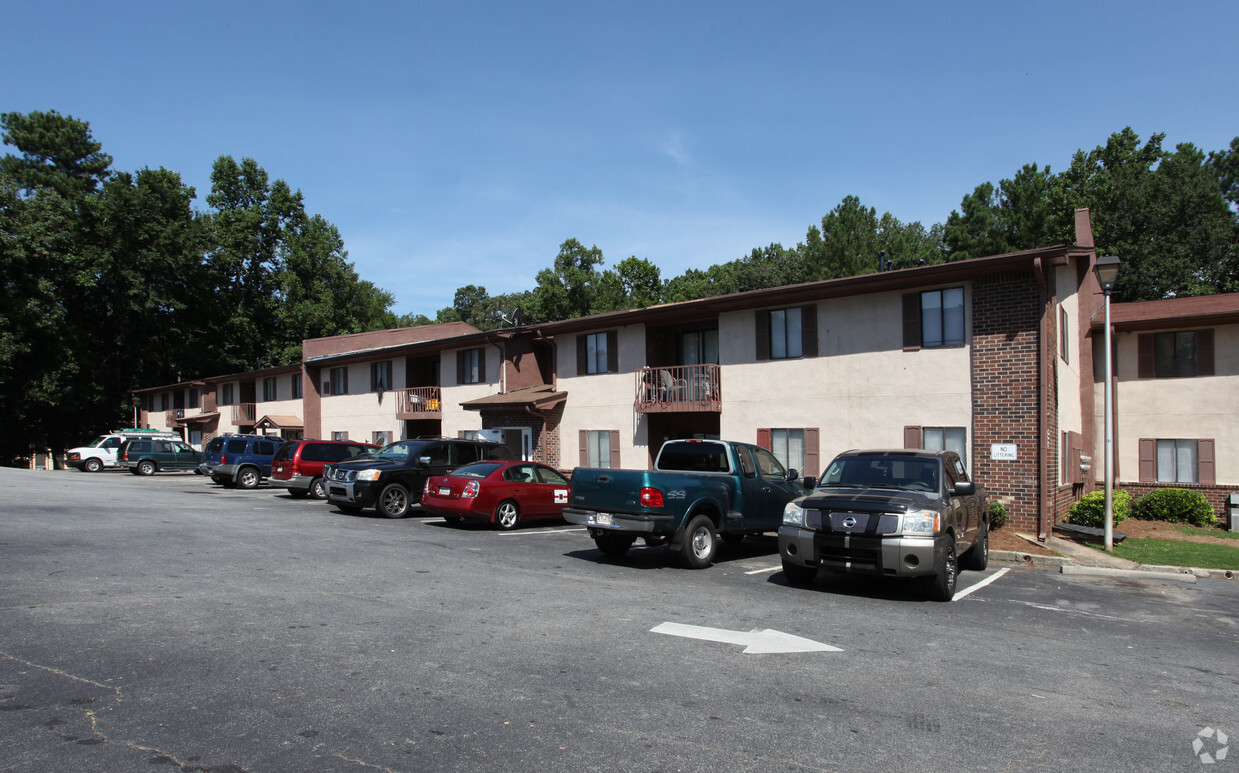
x=793 y=515
x=368 y=475
x=921 y=522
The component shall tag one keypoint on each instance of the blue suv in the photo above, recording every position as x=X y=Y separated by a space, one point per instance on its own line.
x=239 y=460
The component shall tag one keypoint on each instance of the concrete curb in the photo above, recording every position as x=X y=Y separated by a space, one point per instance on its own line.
x=1028 y=559
x=1135 y=574
x=1143 y=572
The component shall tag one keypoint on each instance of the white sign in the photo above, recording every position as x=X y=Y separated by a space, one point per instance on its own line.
x=1005 y=451
x=755 y=642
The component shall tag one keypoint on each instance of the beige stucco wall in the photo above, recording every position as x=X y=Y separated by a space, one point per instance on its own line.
x=1175 y=408
x=860 y=391
x=603 y=401
x=361 y=412
x=1070 y=410
x=456 y=418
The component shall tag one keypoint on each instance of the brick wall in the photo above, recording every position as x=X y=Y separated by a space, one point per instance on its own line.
x=1005 y=396
x=544 y=431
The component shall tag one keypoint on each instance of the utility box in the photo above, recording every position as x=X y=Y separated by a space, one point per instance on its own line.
x=1232 y=510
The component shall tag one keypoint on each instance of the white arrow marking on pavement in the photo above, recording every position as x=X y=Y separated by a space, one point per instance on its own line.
x=756 y=642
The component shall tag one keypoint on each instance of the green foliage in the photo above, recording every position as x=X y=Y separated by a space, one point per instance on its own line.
x=1090 y=510
x=1175 y=505
x=58 y=153
x=997 y=514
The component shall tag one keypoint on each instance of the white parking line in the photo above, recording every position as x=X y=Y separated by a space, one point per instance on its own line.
x=535 y=533
x=960 y=594
x=767 y=569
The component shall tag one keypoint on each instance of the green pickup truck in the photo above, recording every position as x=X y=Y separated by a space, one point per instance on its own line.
x=698 y=491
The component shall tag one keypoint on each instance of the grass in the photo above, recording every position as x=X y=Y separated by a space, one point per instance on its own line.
x=1179 y=553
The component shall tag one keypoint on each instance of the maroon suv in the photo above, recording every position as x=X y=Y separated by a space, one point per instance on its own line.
x=298 y=465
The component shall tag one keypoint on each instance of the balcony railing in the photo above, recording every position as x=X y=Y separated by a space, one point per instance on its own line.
x=679 y=389
x=170 y=417
x=419 y=403
x=243 y=414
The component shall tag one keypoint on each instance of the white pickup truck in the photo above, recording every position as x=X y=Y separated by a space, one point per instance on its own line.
x=101 y=452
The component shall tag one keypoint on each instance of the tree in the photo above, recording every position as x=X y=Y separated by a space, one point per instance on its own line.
x=568 y=289
x=58 y=153
x=846 y=245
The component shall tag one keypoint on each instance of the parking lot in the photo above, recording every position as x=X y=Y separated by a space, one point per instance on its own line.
x=167 y=620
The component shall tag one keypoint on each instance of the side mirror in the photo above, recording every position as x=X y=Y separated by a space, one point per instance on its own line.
x=965 y=489
x=423 y=461
x=792 y=474
x=810 y=483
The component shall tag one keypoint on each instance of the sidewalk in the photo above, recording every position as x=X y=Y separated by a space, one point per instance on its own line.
x=1074 y=558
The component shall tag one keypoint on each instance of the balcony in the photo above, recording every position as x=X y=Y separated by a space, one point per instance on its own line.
x=243 y=414
x=419 y=403
x=679 y=389
x=170 y=417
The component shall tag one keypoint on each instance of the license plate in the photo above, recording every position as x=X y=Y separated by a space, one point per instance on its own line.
x=444 y=491
x=604 y=519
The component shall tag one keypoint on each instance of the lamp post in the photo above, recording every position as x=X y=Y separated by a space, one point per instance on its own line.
x=1107 y=269
x=136 y=402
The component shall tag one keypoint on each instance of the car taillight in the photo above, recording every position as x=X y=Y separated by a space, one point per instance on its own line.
x=651 y=497
x=223 y=459
x=296 y=469
x=472 y=489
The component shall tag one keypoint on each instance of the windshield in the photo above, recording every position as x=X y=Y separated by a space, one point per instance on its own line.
x=897 y=472
x=97 y=441
x=402 y=451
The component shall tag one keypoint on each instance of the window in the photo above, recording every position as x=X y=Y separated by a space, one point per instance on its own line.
x=1063 y=338
x=699 y=348
x=381 y=438
x=770 y=467
x=193 y=398
x=470 y=366
x=338 y=385
x=597 y=353
x=1178 y=354
x=599 y=448
x=795 y=448
x=339 y=436
x=1177 y=460
x=380 y=376
x=933 y=319
x=163 y=401
x=296 y=386
x=268 y=389
x=225 y=394
x=784 y=334
x=938 y=439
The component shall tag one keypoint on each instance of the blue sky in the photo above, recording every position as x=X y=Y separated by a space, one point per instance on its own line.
x=460 y=143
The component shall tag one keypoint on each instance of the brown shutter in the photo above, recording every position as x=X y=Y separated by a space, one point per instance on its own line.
x=913 y=437
x=808 y=330
x=1146 y=367
x=482 y=366
x=761 y=323
x=584 y=447
x=1148 y=460
x=612 y=352
x=580 y=355
x=812 y=453
x=1204 y=460
x=615 y=449
x=912 y=322
x=326 y=387
x=1204 y=352
x=460 y=367
x=763 y=438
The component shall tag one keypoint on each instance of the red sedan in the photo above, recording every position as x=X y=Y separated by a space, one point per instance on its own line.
x=502 y=493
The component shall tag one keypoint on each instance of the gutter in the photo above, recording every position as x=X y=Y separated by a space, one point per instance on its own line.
x=1043 y=399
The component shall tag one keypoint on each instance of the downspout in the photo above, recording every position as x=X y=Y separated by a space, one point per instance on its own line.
x=1042 y=398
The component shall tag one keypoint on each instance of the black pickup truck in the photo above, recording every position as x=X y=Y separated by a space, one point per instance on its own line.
x=897 y=513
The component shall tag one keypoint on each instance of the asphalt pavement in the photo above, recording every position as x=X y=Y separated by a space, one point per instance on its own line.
x=164 y=623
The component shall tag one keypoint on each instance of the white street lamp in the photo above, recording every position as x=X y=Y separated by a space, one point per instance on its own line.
x=1107 y=268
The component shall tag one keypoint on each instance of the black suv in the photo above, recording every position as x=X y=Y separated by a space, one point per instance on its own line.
x=239 y=460
x=391 y=479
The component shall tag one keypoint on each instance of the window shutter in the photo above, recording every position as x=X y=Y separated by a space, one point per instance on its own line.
x=584 y=447
x=482 y=378
x=912 y=436
x=763 y=438
x=615 y=460
x=374 y=377
x=460 y=367
x=612 y=352
x=912 y=322
x=761 y=323
x=581 y=354
x=1148 y=460
x=1144 y=355
x=808 y=330
x=812 y=454
x=1204 y=352
x=327 y=387
x=1204 y=460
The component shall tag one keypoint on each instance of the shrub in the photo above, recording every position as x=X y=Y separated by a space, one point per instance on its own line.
x=1175 y=505
x=1090 y=510
x=997 y=514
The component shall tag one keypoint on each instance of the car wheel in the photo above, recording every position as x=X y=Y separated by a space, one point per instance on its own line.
x=92 y=465
x=507 y=515
x=798 y=574
x=977 y=557
x=297 y=493
x=941 y=585
x=700 y=543
x=146 y=467
x=394 y=501
x=317 y=490
x=248 y=477
x=613 y=545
